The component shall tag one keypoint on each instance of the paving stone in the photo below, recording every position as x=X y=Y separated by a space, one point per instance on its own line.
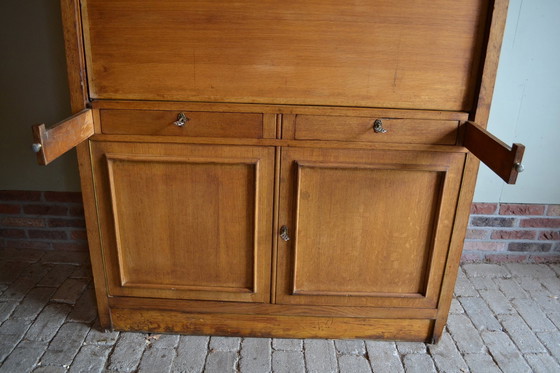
x=511 y=288
x=465 y=334
x=224 y=343
x=163 y=341
x=18 y=289
x=419 y=363
x=90 y=359
x=554 y=317
x=24 y=357
x=48 y=322
x=529 y=284
x=350 y=346
x=221 y=361
x=6 y=309
x=256 y=355
x=35 y=271
x=157 y=360
x=98 y=337
x=70 y=291
x=552 y=284
x=66 y=257
x=411 y=347
x=481 y=363
x=479 y=313
x=530 y=270
x=497 y=301
x=533 y=316
x=82 y=272
x=10 y=271
x=7 y=345
x=287 y=362
x=191 y=354
x=320 y=356
x=519 y=332
x=66 y=344
x=547 y=302
x=127 y=352
x=50 y=369
x=504 y=352
x=14 y=327
x=555 y=268
x=542 y=363
x=57 y=275
x=22 y=255
x=33 y=303
x=353 y=364
x=551 y=340
x=484 y=283
x=85 y=309
x=485 y=270
x=446 y=355
x=456 y=307
x=384 y=357
x=287 y=344
x=463 y=286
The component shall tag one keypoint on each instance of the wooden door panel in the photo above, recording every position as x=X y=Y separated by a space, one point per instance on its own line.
x=369 y=228
x=186 y=221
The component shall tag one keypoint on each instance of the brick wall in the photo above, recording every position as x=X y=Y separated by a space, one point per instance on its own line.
x=513 y=233
x=496 y=233
x=42 y=220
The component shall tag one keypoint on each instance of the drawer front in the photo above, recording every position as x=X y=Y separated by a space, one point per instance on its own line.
x=408 y=131
x=196 y=123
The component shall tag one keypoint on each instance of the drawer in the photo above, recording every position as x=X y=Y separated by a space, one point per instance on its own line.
x=196 y=123
x=408 y=131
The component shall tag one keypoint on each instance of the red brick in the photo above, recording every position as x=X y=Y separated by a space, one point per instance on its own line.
x=484 y=208
x=484 y=246
x=513 y=235
x=26 y=244
x=22 y=222
x=64 y=196
x=506 y=258
x=78 y=235
x=477 y=234
x=550 y=235
x=47 y=234
x=56 y=210
x=530 y=246
x=73 y=223
x=9 y=208
x=552 y=258
x=540 y=223
x=70 y=246
x=553 y=210
x=77 y=211
x=12 y=233
x=521 y=209
x=19 y=195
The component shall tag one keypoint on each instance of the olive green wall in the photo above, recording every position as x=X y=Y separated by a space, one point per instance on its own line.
x=33 y=89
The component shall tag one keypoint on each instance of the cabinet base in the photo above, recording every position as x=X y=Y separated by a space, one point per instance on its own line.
x=277 y=326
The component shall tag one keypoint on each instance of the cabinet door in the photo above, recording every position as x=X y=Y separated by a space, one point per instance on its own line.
x=367 y=227
x=185 y=221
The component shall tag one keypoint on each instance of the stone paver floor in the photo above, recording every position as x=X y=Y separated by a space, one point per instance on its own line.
x=504 y=318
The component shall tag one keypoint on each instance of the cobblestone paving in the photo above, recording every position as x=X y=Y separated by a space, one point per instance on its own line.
x=504 y=318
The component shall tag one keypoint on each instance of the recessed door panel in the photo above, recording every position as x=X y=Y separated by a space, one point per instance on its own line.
x=368 y=227
x=189 y=223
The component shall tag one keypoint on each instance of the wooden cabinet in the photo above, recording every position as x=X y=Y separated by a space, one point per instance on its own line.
x=287 y=169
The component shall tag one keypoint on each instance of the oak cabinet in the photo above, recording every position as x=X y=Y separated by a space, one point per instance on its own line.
x=286 y=169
